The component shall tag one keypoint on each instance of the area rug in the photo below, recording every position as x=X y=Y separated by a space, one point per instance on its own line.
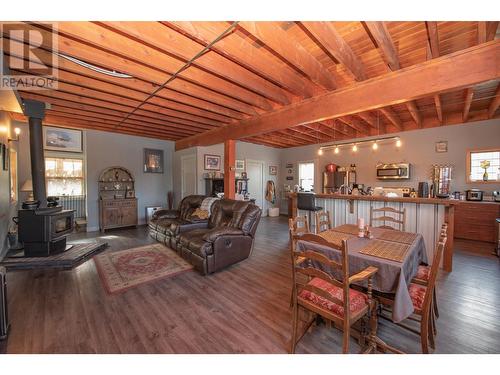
x=125 y=269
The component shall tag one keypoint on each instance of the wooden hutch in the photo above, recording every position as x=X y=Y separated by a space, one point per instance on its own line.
x=117 y=201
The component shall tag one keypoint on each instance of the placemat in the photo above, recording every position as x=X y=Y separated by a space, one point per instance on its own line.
x=347 y=228
x=387 y=250
x=398 y=236
x=335 y=237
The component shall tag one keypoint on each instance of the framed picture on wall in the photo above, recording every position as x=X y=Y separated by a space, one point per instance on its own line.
x=61 y=139
x=239 y=165
x=273 y=170
x=153 y=161
x=212 y=162
x=442 y=146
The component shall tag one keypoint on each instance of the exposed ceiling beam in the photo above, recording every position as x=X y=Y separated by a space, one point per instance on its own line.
x=272 y=35
x=439 y=108
x=486 y=31
x=453 y=71
x=414 y=112
x=495 y=103
x=469 y=94
x=432 y=35
x=392 y=117
x=384 y=42
x=332 y=41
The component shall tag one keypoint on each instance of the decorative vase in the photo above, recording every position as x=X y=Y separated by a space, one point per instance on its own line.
x=485 y=175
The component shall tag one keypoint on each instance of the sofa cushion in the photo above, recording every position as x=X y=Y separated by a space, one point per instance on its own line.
x=194 y=242
x=163 y=225
x=250 y=219
x=227 y=212
x=200 y=214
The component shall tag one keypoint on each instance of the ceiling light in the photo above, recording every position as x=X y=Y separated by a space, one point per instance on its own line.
x=398 y=143
x=336 y=150
x=375 y=146
x=354 y=148
x=320 y=151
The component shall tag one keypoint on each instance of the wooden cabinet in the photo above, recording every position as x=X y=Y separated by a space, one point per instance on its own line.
x=117 y=202
x=116 y=213
x=476 y=221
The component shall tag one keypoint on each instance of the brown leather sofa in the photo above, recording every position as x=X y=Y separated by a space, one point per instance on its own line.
x=226 y=239
x=166 y=225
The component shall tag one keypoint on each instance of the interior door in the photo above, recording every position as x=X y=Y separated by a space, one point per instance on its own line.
x=188 y=175
x=255 y=173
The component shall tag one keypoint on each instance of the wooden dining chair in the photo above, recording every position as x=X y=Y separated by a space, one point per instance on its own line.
x=323 y=221
x=388 y=214
x=422 y=299
x=320 y=293
x=297 y=226
x=424 y=271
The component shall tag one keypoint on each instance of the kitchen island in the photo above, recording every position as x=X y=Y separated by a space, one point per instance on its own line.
x=423 y=215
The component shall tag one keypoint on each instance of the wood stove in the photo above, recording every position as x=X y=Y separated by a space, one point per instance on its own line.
x=42 y=229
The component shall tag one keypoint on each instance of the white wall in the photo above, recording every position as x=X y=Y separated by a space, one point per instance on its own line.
x=418 y=148
x=244 y=150
x=104 y=149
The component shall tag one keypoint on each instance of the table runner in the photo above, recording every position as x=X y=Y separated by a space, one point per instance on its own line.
x=386 y=250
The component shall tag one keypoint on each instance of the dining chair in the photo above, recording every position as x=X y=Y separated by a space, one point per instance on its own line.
x=388 y=214
x=296 y=226
x=320 y=293
x=424 y=271
x=323 y=221
x=422 y=298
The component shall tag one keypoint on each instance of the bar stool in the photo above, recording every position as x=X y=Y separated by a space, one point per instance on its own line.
x=307 y=202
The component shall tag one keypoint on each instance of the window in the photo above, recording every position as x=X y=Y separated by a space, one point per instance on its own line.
x=306 y=176
x=481 y=161
x=64 y=176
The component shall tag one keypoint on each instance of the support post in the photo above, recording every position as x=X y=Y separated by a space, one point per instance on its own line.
x=229 y=167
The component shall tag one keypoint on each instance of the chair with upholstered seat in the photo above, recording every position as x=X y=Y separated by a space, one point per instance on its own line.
x=422 y=298
x=323 y=221
x=388 y=215
x=320 y=293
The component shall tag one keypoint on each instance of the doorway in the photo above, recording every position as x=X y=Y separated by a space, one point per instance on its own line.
x=255 y=173
x=188 y=175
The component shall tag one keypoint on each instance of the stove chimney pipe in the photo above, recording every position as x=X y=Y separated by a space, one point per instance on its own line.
x=35 y=111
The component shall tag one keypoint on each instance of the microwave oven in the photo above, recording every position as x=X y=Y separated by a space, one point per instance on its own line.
x=394 y=171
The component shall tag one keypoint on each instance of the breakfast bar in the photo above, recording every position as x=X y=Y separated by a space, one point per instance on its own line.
x=424 y=215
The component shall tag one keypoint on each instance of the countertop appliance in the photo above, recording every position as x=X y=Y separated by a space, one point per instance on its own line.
x=441 y=181
x=343 y=176
x=496 y=196
x=394 y=192
x=423 y=189
x=393 y=171
x=474 y=195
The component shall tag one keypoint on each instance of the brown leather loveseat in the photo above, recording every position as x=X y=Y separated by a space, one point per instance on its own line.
x=165 y=225
x=226 y=239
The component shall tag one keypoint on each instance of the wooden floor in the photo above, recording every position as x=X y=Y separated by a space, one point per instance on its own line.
x=243 y=309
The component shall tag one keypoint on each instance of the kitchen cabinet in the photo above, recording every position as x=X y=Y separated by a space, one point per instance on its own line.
x=476 y=221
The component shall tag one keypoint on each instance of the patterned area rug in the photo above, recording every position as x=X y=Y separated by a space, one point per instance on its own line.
x=121 y=270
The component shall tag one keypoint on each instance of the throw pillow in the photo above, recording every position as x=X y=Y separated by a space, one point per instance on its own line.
x=200 y=214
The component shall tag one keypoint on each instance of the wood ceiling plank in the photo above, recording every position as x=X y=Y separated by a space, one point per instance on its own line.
x=355 y=125
x=369 y=118
x=333 y=42
x=392 y=117
x=469 y=94
x=439 y=109
x=461 y=69
x=272 y=35
x=240 y=48
x=15 y=50
x=383 y=39
x=495 y=103
x=168 y=40
x=142 y=66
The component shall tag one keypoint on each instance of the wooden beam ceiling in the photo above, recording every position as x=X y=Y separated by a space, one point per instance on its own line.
x=461 y=69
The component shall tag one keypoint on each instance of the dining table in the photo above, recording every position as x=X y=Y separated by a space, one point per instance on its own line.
x=396 y=254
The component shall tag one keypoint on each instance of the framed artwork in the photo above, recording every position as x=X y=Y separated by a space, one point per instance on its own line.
x=5 y=157
x=442 y=146
x=239 y=165
x=61 y=139
x=273 y=170
x=212 y=162
x=153 y=161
